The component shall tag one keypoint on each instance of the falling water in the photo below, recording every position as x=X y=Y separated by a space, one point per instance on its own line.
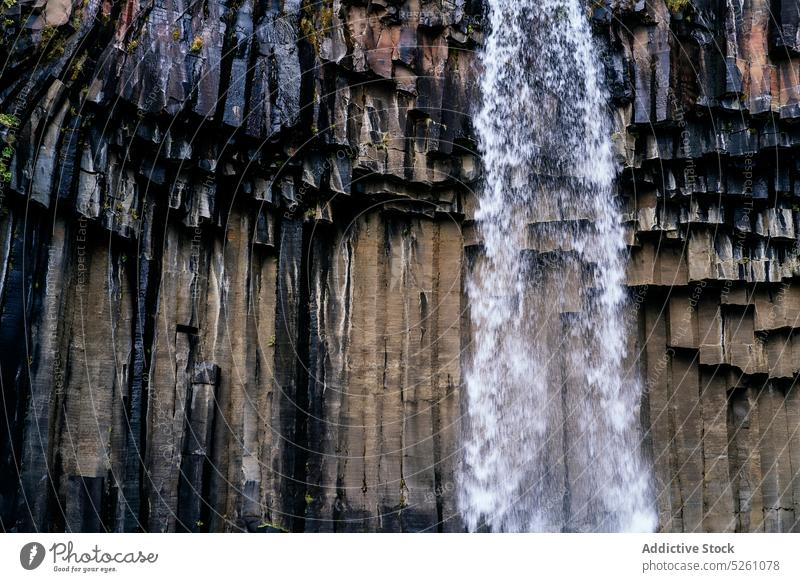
x=552 y=433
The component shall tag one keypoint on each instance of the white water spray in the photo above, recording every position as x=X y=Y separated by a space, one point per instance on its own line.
x=552 y=432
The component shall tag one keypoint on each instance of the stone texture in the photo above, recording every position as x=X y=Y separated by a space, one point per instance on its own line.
x=708 y=184
x=234 y=233
x=234 y=236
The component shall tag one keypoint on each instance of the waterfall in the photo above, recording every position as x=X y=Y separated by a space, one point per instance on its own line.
x=552 y=434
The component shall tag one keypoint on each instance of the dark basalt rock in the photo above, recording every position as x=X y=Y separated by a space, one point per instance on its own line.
x=188 y=154
x=232 y=251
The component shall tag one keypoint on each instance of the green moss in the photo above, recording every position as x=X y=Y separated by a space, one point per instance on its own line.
x=75 y=21
x=308 y=499
x=271 y=342
x=48 y=33
x=77 y=67
x=53 y=42
x=273 y=526
x=176 y=34
x=9 y=120
x=132 y=46
x=57 y=48
x=5 y=158
x=326 y=18
x=309 y=33
x=675 y=6
x=314 y=26
x=197 y=45
x=5 y=173
x=384 y=143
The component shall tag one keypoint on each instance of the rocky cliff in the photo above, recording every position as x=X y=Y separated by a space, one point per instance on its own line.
x=234 y=236
x=707 y=98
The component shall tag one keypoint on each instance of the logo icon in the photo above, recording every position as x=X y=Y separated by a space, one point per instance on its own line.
x=31 y=555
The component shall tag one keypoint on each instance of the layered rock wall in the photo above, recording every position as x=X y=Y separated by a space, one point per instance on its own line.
x=234 y=237
x=232 y=264
x=706 y=96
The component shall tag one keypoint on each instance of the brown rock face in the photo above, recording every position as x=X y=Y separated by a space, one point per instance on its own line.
x=234 y=235
x=705 y=133
x=232 y=261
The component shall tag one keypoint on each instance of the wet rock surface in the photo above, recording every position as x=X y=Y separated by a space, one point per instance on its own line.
x=710 y=178
x=231 y=287
x=234 y=234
